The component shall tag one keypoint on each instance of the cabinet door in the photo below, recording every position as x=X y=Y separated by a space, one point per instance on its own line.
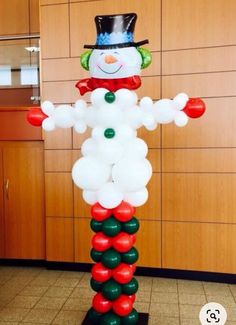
x=1 y=208
x=24 y=205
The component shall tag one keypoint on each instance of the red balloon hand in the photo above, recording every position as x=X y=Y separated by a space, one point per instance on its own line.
x=195 y=107
x=35 y=116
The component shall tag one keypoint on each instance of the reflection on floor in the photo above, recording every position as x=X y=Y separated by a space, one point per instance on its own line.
x=39 y=296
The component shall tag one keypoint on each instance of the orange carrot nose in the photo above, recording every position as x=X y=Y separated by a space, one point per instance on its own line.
x=110 y=59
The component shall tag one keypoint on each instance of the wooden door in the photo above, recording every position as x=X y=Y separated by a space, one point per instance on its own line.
x=1 y=208
x=24 y=200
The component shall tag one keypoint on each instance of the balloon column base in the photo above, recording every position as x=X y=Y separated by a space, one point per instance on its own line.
x=142 y=319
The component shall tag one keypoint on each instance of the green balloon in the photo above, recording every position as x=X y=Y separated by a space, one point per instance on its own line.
x=111 y=227
x=95 y=225
x=95 y=285
x=131 y=256
x=111 y=258
x=109 y=133
x=95 y=255
x=130 y=319
x=130 y=288
x=131 y=226
x=110 y=319
x=94 y=316
x=110 y=97
x=111 y=290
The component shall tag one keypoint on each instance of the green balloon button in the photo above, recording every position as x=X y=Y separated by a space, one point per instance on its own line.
x=110 y=97
x=109 y=133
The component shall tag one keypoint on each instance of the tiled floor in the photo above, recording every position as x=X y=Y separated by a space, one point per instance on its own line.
x=38 y=296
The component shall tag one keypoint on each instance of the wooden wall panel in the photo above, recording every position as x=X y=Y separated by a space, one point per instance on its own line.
x=198 y=23
x=199 y=246
x=152 y=208
x=83 y=236
x=205 y=60
x=52 y=2
x=148 y=25
x=60 y=239
x=58 y=139
x=58 y=160
x=2 y=235
x=216 y=128
x=152 y=138
x=10 y=11
x=54 y=31
x=59 y=194
x=78 y=139
x=204 y=160
x=200 y=85
x=34 y=16
x=154 y=156
x=149 y=236
x=81 y=208
x=199 y=197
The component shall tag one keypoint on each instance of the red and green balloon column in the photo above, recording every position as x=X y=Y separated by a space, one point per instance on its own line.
x=115 y=257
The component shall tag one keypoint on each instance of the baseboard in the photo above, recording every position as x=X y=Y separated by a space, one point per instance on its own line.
x=144 y=271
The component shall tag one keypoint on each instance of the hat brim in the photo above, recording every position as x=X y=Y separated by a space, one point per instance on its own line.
x=115 y=46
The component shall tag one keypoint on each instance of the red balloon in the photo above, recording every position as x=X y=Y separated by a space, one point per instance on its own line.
x=123 y=273
x=35 y=116
x=124 y=212
x=122 y=242
x=195 y=107
x=100 y=304
x=101 y=273
x=123 y=305
x=99 y=213
x=133 y=236
x=133 y=267
x=132 y=298
x=101 y=242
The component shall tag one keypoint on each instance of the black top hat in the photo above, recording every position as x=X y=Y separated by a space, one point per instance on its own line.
x=115 y=31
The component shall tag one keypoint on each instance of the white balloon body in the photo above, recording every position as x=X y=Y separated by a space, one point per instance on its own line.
x=114 y=166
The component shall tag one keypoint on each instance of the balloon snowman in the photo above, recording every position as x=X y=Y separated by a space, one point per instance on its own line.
x=114 y=171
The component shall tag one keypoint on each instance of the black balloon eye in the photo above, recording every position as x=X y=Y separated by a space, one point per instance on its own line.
x=101 y=53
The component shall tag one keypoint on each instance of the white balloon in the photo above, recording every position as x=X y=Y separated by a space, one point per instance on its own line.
x=146 y=103
x=89 y=147
x=90 y=116
x=80 y=104
x=109 y=196
x=136 y=149
x=90 y=174
x=125 y=98
x=97 y=96
x=124 y=132
x=98 y=133
x=109 y=116
x=164 y=111
x=181 y=119
x=130 y=174
x=110 y=150
x=151 y=127
x=63 y=116
x=48 y=124
x=90 y=197
x=47 y=107
x=180 y=100
x=80 y=127
x=133 y=117
x=137 y=198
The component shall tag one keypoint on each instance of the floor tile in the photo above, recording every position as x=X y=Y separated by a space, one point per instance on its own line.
x=190 y=287
x=231 y=312
x=192 y=299
x=72 y=275
x=44 y=316
x=66 y=282
x=164 y=298
x=80 y=304
x=59 y=292
x=160 y=320
x=215 y=289
x=226 y=301
x=143 y=296
x=50 y=303
x=69 y=317
x=43 y=281
x=189 y=321
x=36 y=291
x=23 y=302
x=142 y=307
x=189 y=311
x=87 y=293
x=145 y=283
x=13 y=314
x=170 y=310
x=164 y=285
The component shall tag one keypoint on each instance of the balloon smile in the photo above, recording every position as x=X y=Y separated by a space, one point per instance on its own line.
x=110 y=72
